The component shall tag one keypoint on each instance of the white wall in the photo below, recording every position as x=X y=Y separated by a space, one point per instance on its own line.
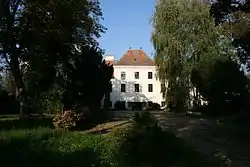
x=143 y=81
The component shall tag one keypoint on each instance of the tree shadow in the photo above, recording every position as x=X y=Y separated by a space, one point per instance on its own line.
x=26 y=123
x=29 y=157
x=157 y=148
x=129 y=95
x=225 y=141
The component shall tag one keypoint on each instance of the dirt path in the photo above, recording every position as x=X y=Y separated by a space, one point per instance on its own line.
x=229 y=143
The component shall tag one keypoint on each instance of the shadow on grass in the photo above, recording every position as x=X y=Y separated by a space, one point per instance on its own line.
x=24 y=156
x=48 y=148
x=27 y=123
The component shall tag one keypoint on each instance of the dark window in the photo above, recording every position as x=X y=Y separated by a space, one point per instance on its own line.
x=123 y=88
x=163 y=104
x=137 y=88
x=150 y=87
x=163 y=95
x=150 y=75
x=136 y=75
x=163 y=88
x=123 y=75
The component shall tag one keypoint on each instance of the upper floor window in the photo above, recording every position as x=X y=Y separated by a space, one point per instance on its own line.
x=137 y=88
x=150 y=87
x=136 y=75
x=150 y=75
x=123 y=88
x=123 y=75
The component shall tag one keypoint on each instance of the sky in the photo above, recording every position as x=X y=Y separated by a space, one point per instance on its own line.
x=128 y=24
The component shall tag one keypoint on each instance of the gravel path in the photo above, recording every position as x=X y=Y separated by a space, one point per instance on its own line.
x=229 y=143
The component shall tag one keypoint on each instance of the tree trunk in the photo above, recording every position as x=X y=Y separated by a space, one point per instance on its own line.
x=20 y=87
x=11 y=51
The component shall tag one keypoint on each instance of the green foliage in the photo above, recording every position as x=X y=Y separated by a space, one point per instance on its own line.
x=143 y=143
x=127 y=145
x=222 y=84
x=68 y=120
x=44 y=147
x=237 y=27
x=43 y=43
x=145 y=119
x=51 y=102
x=11 y=122
x=88 y=79
x=184 y=35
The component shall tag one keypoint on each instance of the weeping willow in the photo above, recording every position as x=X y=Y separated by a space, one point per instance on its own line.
x=184 y=35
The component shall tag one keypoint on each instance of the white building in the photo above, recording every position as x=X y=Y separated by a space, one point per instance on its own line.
x=135 y=81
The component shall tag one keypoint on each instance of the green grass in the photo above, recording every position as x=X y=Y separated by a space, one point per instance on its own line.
x=8 y=122
x=45 y=147
x=26 y=143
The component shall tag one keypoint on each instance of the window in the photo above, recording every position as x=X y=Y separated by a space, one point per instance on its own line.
x=123 y=75
x=163 y=95
x=163 y=88
x=150 y=75
x=123 y=88
x=136 y=75
x=150 y=87
x=137 y=88
x=163 y=104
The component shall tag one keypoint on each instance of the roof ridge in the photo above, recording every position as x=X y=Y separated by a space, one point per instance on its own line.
x=135 y=57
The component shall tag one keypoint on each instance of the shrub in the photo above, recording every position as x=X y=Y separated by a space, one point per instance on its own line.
x=153 y=106
x=145 y=144
x=120 y=105
x=51 y=102
x=68 y=120
x=144 y=119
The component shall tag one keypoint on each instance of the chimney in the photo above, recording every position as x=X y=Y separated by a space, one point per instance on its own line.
x=109 y=58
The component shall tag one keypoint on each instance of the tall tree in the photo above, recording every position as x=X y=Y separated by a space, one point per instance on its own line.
x=44 y=35
x=184 y=35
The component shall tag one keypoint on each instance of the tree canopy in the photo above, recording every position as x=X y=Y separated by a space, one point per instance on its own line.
x=184 y=35
x=234 y=15
x=44 y=43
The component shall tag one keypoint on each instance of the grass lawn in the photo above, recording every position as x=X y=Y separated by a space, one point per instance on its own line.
x=26 y=143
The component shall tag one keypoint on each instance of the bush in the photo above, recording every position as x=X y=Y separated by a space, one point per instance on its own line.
x=145 y=144
x=68 y=120
x=145 y=119
x=223 y=84
x=120 y=105
x=153 y=106
x=51 y=102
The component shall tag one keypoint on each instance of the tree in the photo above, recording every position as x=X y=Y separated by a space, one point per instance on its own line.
x=45 y=36
x=222 y=84
x=235 y=17
x=184 y=36
x=87 y=81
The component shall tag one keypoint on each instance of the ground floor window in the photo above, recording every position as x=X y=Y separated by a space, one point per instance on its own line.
x=163 y=103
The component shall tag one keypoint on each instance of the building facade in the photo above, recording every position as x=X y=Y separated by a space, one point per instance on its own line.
x=134 y=81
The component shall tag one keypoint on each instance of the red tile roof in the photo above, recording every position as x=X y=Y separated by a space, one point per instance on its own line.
x=135 y=57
